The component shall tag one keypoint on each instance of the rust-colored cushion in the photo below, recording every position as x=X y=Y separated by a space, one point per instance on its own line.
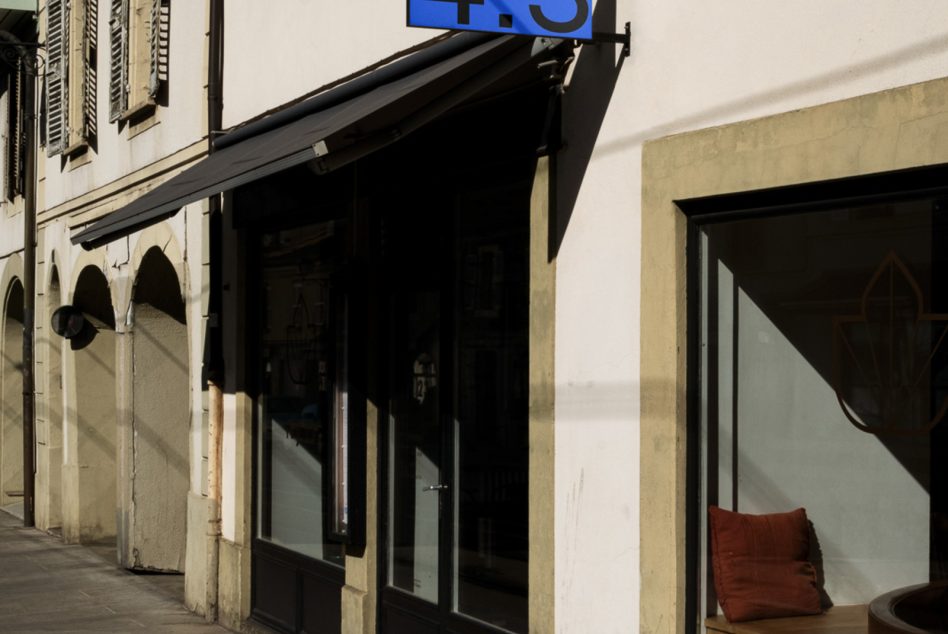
x=761 y=567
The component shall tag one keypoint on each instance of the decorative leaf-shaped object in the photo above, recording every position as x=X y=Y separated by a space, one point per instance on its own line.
x=301 y=343
x=883 y=357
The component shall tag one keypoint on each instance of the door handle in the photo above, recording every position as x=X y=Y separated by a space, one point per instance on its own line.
x=435 y=487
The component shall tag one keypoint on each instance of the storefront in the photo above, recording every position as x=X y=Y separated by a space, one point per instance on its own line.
x=811 y=365
x=401 y=280
x=821 y=384
x=377 y=250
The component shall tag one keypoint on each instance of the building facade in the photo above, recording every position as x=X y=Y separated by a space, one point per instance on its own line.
x=382 y=329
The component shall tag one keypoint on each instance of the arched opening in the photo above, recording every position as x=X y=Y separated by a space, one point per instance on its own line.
x=89 y=473
x=50 y=444
x=11 y=402
x=161 y=415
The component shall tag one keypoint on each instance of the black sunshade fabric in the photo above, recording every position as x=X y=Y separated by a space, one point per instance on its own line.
x=372 y=119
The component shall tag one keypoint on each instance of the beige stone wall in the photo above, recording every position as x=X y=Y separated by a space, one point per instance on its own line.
x=90 y=472
x=49 y=419
x=360 y=594
x=160 y=419
x=542 y=568
x=234 y=585
x=894 y=129
x=11 y=393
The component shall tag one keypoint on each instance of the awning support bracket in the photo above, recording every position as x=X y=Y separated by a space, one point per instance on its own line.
x=551 y=139
x=625 y=39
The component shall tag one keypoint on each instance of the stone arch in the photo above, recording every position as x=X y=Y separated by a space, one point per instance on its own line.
x=10 y=269
x=161 y=416
x=53 y=270
x=162 y=238
x=11 y=395
x=94 y=260
x=89 y=471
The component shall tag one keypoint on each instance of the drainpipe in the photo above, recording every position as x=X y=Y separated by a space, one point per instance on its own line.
x=29 y=294
x=215 y=361
x=27 y=65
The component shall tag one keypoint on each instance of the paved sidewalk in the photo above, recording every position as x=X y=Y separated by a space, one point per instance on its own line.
x=47 y=586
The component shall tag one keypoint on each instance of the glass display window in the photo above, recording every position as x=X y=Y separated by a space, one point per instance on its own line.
x=304 y=404
x=822 y=352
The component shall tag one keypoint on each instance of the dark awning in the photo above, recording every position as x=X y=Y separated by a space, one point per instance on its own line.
x=332 y=136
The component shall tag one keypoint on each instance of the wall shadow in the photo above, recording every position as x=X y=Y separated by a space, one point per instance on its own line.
x=584 y=107
x=775 y=290
x=90 y=497
x=11 y=395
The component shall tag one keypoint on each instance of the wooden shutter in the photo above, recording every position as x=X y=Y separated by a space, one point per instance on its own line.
x=57 y=74
x=16 y=157
x=118 y=53
x=90 y=38
x=14 y=154
x=158 y=41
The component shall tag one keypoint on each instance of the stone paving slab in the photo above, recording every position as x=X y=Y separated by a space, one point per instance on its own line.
x=48 y=586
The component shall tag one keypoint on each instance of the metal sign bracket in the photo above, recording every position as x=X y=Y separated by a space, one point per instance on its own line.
x=625 y=39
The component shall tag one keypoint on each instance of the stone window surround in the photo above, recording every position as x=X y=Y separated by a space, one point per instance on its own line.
x=880 y=132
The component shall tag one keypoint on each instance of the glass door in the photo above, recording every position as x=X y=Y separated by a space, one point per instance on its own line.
x=417 y=482
x=456 y=446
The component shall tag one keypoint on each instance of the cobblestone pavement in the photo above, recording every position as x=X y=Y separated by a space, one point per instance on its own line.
x=47 y=586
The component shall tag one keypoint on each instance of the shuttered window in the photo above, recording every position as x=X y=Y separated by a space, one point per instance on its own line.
x=138 y=32
x=57 y=75
x=118 y=52
x=90 y=30
x=14 y=154
x=71 y=28
x=158 y=41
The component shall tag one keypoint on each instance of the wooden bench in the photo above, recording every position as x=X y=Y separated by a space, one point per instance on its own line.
x=840 y=619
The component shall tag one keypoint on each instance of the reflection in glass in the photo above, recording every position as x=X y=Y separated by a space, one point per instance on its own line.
x=340 y=484
x=491 y=431
x=299 y=408
x=816 y=329
x=458 y=428
x=884 y=353
x=415 y=449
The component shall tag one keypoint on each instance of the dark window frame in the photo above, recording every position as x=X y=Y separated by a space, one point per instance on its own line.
x=897 y=185
x=249 y=224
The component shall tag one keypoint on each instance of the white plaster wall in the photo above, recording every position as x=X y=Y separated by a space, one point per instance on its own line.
x=693 y=65
x=181 y=123
x=11 y=231
x=329 y=40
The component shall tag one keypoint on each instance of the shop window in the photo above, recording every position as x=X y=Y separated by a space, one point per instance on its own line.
x=138 y=54
x=71 y=27
x=305 y=403
x=822 y=383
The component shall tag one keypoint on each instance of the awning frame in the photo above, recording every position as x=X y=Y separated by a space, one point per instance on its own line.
x=451 y=81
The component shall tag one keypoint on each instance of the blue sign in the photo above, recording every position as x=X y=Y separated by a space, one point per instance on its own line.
x=569 y=19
